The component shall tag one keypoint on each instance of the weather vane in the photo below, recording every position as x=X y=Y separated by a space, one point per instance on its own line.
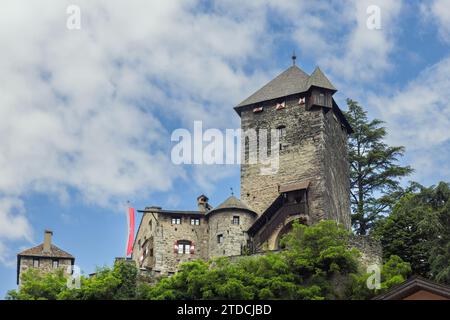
x=232 y=193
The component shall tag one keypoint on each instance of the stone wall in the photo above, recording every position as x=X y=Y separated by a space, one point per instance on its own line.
x=300 y=157
x=45 y=264
x=336 y=170
x=371 y=250
x=155 y=240
x=314 y=148
x=234 y=235
x=167 y=235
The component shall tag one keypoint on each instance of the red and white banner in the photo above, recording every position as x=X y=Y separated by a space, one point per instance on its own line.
x=130 y=218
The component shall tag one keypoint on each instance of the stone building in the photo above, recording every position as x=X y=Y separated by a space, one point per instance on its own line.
x=166 y=238
x=45 y=257
x=311 y=183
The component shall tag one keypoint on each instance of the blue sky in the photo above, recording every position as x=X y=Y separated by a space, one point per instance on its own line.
x=86 y=115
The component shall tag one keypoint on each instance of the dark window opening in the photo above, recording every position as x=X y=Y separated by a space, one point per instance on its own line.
x=281 y=131
x=220 y=238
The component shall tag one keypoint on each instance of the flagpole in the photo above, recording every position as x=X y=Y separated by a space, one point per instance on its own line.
x=127 y=233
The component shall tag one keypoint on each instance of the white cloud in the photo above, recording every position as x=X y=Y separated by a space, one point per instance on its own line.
x=336 y=35
x=418 y=117
x=13 y=226
x=87 y=110
x=438 y=11
x=90 y=110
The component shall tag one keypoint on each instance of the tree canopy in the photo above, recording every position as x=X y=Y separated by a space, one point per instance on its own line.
x=316 y=264
x=374 y=169
x=418 y=230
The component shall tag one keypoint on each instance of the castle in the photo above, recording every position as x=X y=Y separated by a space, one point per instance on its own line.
x=311 y=184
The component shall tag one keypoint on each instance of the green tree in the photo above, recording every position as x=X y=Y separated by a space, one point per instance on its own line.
x=374 y=171
x=393 y=272
x=317 y=264
x=418 y=231
x=36 y=285
x=118 y=282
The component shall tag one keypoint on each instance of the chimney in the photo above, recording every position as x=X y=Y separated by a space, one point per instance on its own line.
x=47 y=240
x=202 y=202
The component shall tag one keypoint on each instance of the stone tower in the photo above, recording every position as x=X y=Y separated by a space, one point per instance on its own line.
x=312 y=133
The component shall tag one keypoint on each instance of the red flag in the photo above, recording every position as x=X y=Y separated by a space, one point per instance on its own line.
x=130 y=230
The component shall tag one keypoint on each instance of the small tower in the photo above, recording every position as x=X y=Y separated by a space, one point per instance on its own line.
x=313 y=145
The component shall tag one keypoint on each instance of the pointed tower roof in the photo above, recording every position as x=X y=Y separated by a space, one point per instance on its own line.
x=293 y=80
x=318 y=79
x=232 y=203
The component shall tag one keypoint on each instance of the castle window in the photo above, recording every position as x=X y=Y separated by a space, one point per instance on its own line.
x=235 y=220
x=176 y=220
x=220 y=238
x=55 y=264
x=195 y=221
x=151 y=252
x=281 y=131
x=36 y=263
x=321 y=99
x=150 y=224
x=184 y=247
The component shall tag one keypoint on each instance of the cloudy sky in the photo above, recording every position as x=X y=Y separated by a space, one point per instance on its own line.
x=86 y=114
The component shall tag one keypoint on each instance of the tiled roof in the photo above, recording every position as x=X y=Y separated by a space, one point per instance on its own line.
x=232 y=203
x=38 y=251
x=292 y=81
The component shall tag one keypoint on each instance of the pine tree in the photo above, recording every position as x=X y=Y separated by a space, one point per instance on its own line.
x=374 y=171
